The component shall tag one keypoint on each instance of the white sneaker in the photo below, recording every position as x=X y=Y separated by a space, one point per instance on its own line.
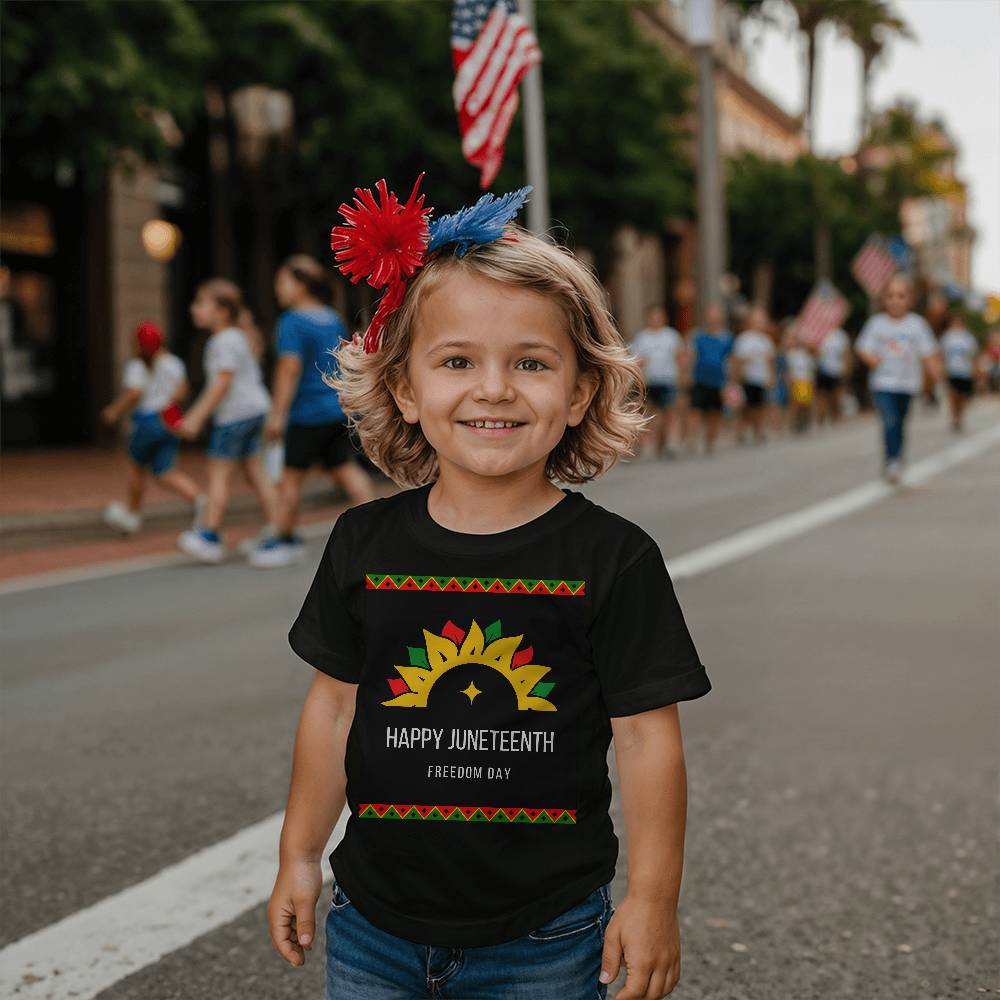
x=195 y=544
x=119 y=517
x=892 y=473
x=264 y=535
x=276 y=552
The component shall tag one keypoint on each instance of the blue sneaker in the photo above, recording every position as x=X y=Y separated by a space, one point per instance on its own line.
x=277 y=551
x=206 y=546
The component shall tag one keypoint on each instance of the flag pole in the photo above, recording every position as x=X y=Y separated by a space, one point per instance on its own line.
x=536 y=163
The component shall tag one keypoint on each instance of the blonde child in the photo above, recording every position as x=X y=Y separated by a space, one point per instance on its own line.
x=236 y=399
x=481 y=636
x=899 y=350
x=154 y=384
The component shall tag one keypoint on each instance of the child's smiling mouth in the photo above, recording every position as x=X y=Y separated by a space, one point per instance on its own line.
x=491 y=428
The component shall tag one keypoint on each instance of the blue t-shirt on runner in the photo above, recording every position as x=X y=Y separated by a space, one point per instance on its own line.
x=309 y=334
x=710 y=352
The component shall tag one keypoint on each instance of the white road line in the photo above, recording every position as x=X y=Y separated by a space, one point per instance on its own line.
x=91 y=950
x=780 y=529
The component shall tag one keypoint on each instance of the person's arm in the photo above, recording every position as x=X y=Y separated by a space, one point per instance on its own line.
x=286 y=380
x=190 y=427
x=316 y=798
x=180 y=392
x=125 y=403
x=644 y=930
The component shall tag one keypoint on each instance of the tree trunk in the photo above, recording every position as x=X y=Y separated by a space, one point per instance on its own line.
x=219 y=158
x=865 y=97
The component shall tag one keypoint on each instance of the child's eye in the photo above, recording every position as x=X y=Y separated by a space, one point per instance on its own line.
x=447 y=365
x=535 y=361
x=530 y=361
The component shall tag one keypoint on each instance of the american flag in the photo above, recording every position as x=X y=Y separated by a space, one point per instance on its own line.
x=825 y=310
x=874 y=265
x=492 y=47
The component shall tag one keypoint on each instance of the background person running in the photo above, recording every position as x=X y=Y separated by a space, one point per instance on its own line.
x=305 y=411
x=711 y=346
x=960 y=351
x=753 y=367
x=235 y=396
x=898 y=348
x=154 y=384
x=802 y=381
x=660 y=350
x=832 y=368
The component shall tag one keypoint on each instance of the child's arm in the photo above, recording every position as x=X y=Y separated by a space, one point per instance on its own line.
x=653 y=781
x=194 y=419
x=316 y=799
x=286 y=381
x=125 y=403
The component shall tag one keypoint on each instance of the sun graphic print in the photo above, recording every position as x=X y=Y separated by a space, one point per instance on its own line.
x=455 y=648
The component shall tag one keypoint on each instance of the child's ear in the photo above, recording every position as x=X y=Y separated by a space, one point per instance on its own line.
x=587 y=383
x=402 y=394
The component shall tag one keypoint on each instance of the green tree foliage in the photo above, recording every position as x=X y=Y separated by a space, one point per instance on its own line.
x=82 y=80
x=371 y=83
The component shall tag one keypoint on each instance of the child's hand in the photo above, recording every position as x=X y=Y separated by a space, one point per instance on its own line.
x=109 y=416
x=274 y=428
x=291 y=913
x=189 y=428
x=646 y=933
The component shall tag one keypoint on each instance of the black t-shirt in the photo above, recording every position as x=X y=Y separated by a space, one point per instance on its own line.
x=488 y=667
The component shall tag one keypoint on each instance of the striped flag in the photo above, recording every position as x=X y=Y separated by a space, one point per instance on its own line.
x=492 y=47
x=874 y=265
x=825 y=310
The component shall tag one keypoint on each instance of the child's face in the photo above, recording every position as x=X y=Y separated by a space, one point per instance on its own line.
x=484 y=350
x=205 y=311
x=897 y=299
x=287 y=288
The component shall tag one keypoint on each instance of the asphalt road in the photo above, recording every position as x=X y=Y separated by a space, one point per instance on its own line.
x=843 y=772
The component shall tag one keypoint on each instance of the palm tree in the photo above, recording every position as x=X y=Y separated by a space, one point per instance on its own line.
x=870 y=24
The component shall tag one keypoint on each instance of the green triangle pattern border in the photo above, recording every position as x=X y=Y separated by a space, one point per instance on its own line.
x=475 y=584
x=466 y=814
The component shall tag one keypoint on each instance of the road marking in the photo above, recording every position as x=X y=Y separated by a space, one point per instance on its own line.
x=787 y=526
x=94 y=948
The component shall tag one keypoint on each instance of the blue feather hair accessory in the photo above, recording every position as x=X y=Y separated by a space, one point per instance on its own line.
x=477 y=224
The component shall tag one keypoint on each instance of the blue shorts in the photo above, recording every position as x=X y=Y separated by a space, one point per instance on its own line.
x=661 y=394
x=562 y=958
x=238 y=440
x=151 y=443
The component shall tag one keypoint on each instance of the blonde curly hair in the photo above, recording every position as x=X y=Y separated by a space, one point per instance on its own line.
x=611 y=427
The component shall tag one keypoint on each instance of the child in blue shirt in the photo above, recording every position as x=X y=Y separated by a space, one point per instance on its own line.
x=711 y=346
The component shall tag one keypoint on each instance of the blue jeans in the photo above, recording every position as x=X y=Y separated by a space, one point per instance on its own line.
x=236 y=441
x=152 y=444
x=562 y=958
x=892 y=408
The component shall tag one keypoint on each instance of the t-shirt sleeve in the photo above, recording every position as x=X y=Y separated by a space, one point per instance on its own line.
x=135 y=375
x=325 y=634
x=928 y=344
x=289 y=336
x=866 y=339
x=225 y=353
x=642 y=651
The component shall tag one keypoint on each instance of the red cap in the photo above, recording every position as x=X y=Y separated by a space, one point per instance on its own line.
x=150 y=338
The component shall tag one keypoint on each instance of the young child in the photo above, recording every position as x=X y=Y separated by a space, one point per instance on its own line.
x=305 y=412
x=753 y=358
x=235 y=396
x=899 y=349
x=479 y=637
x=660 y=350
x=960 y=350
x=832 y=368
x=153 y=386
x=802 y=377
x=711 y=346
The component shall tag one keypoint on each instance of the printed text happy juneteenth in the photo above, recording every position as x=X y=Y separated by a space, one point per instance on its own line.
x=483 y=740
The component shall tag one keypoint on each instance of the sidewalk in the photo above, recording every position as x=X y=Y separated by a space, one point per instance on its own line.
x=52 y=504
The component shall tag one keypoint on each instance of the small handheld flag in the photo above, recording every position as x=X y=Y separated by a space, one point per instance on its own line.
x=824 y=310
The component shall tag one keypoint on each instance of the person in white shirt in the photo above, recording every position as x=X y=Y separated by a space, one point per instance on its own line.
x=898 y=347
x=754 y=355
x=153 y=385
x=832 y=369
x=960 y=350
x=661 y=352
x=236 y=398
